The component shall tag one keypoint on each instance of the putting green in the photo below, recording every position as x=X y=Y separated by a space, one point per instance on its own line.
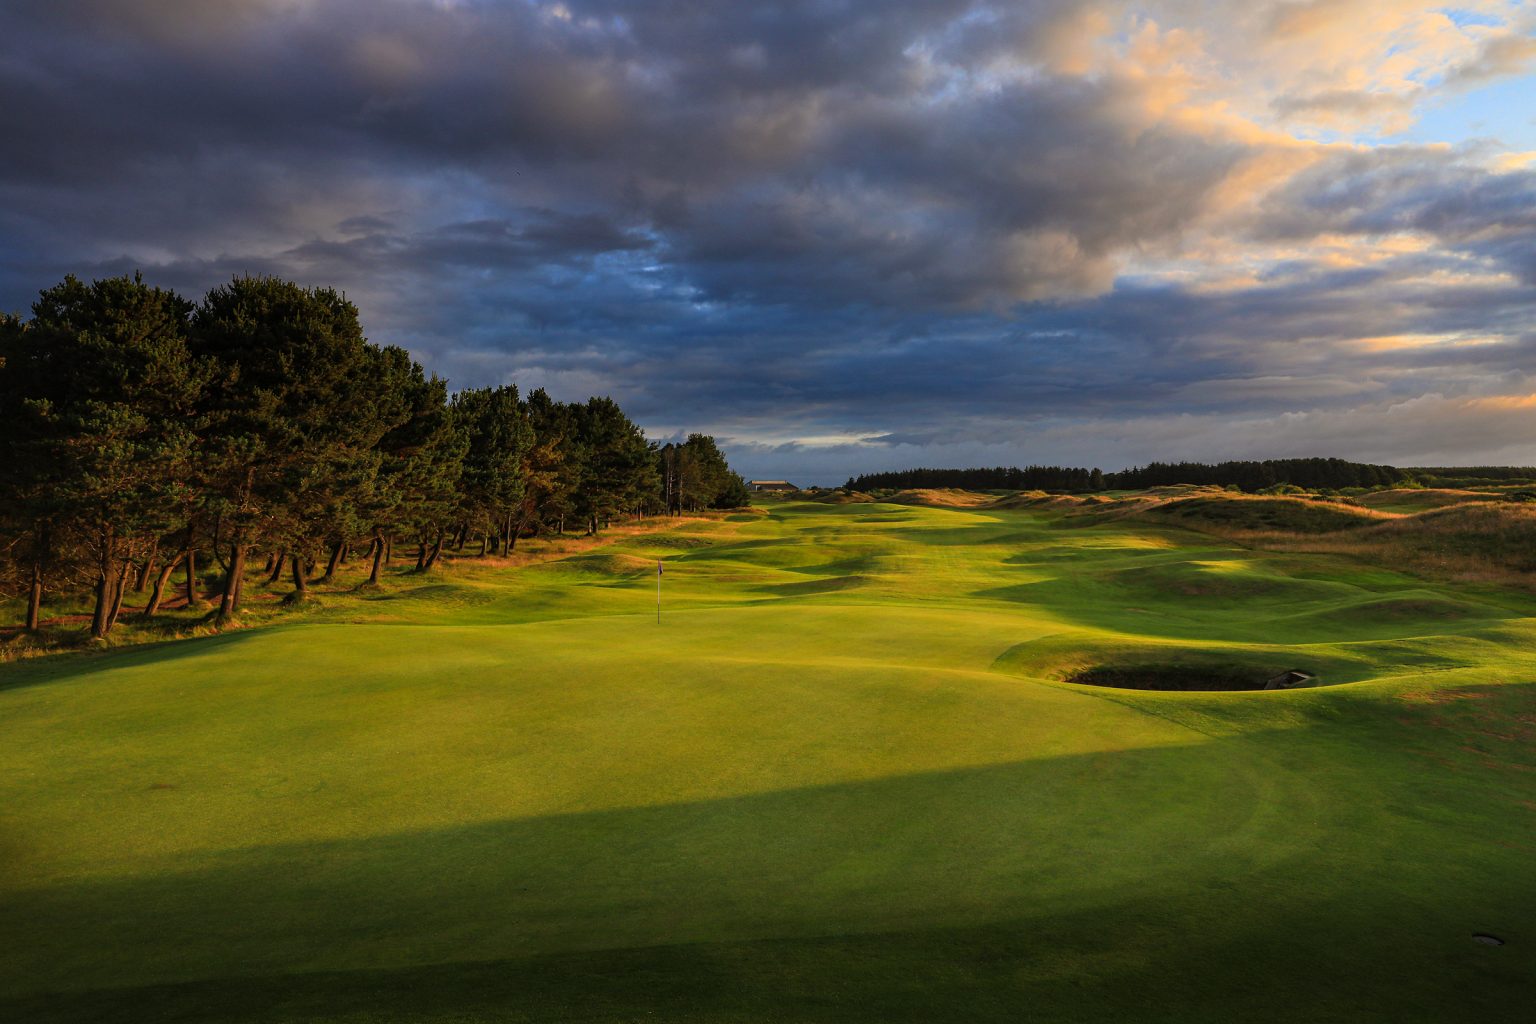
x=841 y=781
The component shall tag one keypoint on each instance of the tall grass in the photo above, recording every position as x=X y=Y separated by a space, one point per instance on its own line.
x=1492 y=542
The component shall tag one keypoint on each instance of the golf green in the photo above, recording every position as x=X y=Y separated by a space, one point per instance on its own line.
x=843 y=779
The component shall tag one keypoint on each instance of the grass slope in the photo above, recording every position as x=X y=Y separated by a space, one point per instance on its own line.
x=842 y=781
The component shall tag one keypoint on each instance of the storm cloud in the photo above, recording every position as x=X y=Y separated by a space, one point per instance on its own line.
x=840 y=236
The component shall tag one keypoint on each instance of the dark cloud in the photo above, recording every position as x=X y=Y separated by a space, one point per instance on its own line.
x=805 y=153
x=907 y=222
x=1408 y=189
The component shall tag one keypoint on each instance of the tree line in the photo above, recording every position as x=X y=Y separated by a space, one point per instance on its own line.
x=144 y=433
x=1313 y=474
x=998 y=478
x=1474 y=476
x=1248 y=475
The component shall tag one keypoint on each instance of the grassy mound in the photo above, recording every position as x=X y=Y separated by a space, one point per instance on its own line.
x=942 y=497
x=1205 y=582
x=1040 y=500
x=1237 y=512
x=603 y=564
x=1500 y=533
x=844 y=498
x=1489 y=541
x=1395 y=616
x=825 y=585
x=1421 y=499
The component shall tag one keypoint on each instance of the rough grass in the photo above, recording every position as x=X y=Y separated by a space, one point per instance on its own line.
x=1254 y=512
x=942 y=497
x=1465 y=536
x=1485 y=542
x=1419 y=499
x=515 y=797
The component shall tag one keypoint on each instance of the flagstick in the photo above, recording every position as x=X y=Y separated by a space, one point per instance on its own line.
x=658 y=591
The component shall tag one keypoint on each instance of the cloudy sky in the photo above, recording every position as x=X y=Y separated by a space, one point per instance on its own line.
x=841 y=236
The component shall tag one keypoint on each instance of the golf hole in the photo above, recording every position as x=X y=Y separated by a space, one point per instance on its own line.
x=1487 y=940
x=1193 y=677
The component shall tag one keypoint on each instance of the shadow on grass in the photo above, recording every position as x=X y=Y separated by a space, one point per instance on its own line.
x=810 y=588
x=1004 y=973
x=80 y=661
x=1215 y=875
x=1178 y=598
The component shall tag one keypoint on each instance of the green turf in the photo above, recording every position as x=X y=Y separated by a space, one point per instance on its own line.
x=842 y=781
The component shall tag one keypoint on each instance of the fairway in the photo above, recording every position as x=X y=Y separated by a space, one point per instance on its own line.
x=844 y=779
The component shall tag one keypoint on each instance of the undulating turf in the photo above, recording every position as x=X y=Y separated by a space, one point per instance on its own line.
x=843 y=780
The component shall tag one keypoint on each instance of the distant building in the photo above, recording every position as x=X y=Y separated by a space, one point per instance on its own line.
x=771 y=485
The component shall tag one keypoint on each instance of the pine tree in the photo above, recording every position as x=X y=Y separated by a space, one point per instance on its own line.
x=494 y=480
x=552 y=470
x=106 y=385
x=291 y=418
x=616 y=463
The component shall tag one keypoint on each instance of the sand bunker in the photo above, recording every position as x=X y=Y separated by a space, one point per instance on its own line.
x=1193 y=677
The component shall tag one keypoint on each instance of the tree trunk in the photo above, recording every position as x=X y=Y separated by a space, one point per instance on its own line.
x=229 y=601
x=330 y=568
x=106 y=547
x=34 y=591
x=300 y=584
x=192 y=598
x=378 y=558
x=272 y=560
x=517 y=530
x=117 y=598
x=437 y=550
x=421 y=555
x=147 y=568
x=389 y=548
x=484 y=540
x=103 y=604
x=346 y=553
x=239 y=574
x=40 y=552
x=275 y=566
x=158 y=592
x=35 y=597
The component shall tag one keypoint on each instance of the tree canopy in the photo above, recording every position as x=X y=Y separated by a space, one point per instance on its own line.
x=144 y=432
x=1250 y=476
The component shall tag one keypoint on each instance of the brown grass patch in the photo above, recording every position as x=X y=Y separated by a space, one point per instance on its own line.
x=1482 y=543
x=942 y=497
x=1425 y=498
x=1041 y=499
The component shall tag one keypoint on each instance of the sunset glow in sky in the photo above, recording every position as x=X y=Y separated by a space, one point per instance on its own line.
x=839 y=236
